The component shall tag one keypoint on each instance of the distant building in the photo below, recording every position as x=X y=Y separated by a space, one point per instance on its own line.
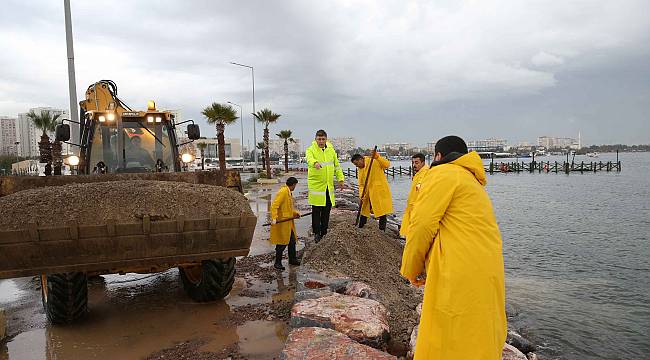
x=549 y=142
x=276 y=146
x=8 y=136
x=397 y=146
x=232 y=148
x=178 y=117
x=343 y=144
x=490 y=144
x=431 y=146
x=29 y=136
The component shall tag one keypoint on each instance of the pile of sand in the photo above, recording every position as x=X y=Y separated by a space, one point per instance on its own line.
x=124 y=201
x=370 y=256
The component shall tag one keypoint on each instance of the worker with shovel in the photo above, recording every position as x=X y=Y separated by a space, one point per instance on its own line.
x=283 y=230
x=374 y=191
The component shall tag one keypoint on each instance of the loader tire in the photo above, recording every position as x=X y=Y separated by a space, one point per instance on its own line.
x=211 y=281
x=65 y=297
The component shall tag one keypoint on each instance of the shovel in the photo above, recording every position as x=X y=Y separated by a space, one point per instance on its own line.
x=365 y=186
x=289 y=219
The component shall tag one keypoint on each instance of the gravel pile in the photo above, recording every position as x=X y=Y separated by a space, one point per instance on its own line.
x=124 y=201
x=370 y=256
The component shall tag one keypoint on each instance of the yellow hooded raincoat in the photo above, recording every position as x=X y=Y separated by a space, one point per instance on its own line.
x=378 y=190
x=454 y=226
x=413 y=195
x=282 y=208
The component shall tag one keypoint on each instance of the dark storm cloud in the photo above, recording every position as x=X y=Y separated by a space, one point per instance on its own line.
x=389 y=71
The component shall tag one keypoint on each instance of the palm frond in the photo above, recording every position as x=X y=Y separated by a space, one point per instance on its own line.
x=266 y=116
x=220 y=114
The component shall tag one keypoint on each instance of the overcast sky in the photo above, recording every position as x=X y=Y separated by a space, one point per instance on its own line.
x=381 y=71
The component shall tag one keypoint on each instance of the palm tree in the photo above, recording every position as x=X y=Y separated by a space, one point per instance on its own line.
x=260 y=146
x=45 y=121
x=202 y=147
x=286 y=136
x=221 y=115
x=267 y=117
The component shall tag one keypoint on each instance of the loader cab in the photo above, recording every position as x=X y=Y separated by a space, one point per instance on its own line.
x=130 y=142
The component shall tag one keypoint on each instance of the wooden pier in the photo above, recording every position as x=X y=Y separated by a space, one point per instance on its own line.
x=565 y=167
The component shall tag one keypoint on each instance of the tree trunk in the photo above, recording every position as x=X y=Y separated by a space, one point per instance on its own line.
x=286 y=156
x=202 y=159
x=57 y=158
x=263 y=161
x=221 y=144
x=45 y=150
x=269 y=174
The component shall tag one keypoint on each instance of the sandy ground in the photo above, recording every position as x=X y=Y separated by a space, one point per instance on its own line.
x=148 y=316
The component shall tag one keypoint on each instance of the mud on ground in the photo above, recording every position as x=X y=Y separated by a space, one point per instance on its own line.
x=370 y=256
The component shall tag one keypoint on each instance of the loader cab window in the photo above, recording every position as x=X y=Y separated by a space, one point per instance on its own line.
x=134 y=149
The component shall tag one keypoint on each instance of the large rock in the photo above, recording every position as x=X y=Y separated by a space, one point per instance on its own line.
x=3 y=324
x=363 y=320
x=412 y=342
x=520 y=342
x=320 y=343
x=511 y=353
x=359 y=289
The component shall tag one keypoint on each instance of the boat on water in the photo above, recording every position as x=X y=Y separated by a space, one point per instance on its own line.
x=592 y=154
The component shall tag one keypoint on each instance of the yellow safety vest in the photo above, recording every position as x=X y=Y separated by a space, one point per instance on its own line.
x=319 y=181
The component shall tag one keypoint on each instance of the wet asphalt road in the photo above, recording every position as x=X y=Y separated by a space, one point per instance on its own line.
x=138 y=316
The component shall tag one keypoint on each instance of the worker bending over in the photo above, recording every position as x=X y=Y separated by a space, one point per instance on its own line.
x=453 y=235
x=420 y=167
x=283 y=230
x=377 y=198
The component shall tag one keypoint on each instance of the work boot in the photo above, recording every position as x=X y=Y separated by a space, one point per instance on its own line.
x=279 y=249
x=317 y=238
x=294 y=262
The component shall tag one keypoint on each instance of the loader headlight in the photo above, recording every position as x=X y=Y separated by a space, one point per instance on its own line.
x=150 y=119
x=73 y=160
x=102 y=118
x=187 y=158
x=158 y=119
x=110 y=116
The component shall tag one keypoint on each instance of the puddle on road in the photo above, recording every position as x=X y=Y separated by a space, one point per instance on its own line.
x=30 y=345
x=9 y=291
x=134 y=316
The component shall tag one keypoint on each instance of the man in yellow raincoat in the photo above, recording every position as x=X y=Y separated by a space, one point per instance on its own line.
x=283 y=230
x=322 y=166
x=377 y=198
x=454 y=236
x=420 y=167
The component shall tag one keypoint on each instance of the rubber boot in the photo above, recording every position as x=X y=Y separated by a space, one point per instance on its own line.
x=278 y=257
x=293 y=258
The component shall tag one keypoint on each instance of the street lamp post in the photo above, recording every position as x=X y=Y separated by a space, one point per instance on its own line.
x=254 y=125
x=241 y=147
x=16 y=148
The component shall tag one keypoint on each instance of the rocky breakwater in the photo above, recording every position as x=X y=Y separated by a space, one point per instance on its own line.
x=350 y=283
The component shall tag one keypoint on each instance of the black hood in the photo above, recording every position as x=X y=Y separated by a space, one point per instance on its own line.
x=447 y=159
